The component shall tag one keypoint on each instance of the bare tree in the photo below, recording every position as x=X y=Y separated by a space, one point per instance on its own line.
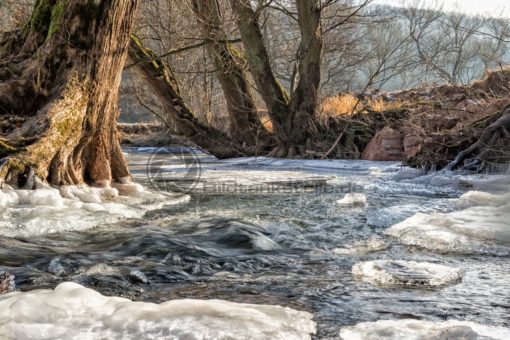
x=245 y=125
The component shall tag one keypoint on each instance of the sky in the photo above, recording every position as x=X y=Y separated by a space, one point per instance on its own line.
x=493 y=8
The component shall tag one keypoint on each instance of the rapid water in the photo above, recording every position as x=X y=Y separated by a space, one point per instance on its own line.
x=273 y=232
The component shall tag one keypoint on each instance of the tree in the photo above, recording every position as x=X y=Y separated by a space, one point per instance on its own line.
x=59 y=80
x=245 y=125
x=157 y=76
x=290 y=114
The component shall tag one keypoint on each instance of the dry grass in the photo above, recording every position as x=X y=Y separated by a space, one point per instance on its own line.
x=340 y=105
x=346 y=105
x=379 y=105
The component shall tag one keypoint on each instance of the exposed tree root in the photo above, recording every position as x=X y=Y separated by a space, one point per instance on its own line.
x=478 y=150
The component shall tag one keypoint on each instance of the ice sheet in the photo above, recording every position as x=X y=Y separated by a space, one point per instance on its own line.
x=74 y=312
x=475 y=230
x=409 y=329
x=48 y=210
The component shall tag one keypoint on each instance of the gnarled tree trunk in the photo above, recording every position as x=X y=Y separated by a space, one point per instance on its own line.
x=245 y=125
x=59 y=97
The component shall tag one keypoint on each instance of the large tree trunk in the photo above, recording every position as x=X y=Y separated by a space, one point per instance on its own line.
x=59 y=98
x=290 y=116
x=157 y=76
x=272 y=92
x=304 y=98
x=245 y=125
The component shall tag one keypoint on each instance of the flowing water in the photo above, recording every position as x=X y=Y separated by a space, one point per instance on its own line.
x=272 y=232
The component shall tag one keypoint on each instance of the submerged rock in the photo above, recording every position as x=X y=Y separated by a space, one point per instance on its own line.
x=229 y=233
x=405 y=273
x=7 y=284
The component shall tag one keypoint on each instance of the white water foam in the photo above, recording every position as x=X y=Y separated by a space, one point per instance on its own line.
x=74 y=312
x=410 y=329
x=48 y=210
x=405 y=273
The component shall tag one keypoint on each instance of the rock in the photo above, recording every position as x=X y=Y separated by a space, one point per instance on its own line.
x=7 y=284
x=385 y=146
x=412 y=145
x=470 y=105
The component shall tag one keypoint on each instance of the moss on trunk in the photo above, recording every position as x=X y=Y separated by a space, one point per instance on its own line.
x=66 y=93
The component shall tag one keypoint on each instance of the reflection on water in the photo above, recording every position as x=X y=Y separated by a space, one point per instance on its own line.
x=272 y=248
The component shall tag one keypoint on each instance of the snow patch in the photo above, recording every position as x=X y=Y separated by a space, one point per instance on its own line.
x=410 y=329
x=405 y=273
x=74 y=312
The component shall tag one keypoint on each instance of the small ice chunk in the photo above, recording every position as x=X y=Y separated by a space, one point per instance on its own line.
x=362 y=247
x=410 y=329
x=405 y=273
x=137 y=276
x=74 y=312
x=353 y=199
x=56 y=267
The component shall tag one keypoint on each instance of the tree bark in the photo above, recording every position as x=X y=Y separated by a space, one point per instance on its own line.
x=290 y=116
x=157 y=76
x=245 y=125
x=272 y=92
x=304 y=98
x=62 y=92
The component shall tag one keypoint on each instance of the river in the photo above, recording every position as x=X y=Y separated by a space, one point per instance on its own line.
x=281 y=232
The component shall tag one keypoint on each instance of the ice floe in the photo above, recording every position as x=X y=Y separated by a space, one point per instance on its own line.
x=410 y=329
x=480 y=198
x=475 y=230
x=48 y=210
x=74 y=312
x=405 y=273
